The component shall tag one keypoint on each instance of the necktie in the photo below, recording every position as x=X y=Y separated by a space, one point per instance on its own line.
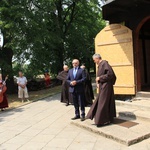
x=74 y=72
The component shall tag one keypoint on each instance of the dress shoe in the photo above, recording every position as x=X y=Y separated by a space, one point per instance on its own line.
x=105 y=124
x=100 y=125
x=76 y=117
x=67 y=104
x=83 y=118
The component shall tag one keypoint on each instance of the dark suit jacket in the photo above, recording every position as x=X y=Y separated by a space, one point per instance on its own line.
x=80 y=78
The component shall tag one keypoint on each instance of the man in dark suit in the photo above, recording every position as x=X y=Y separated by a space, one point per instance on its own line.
x=76 y=78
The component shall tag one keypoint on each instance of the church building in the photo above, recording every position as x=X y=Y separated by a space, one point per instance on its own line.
x=125 y=44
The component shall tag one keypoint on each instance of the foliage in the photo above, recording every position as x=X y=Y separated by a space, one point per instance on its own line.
x=48 y=33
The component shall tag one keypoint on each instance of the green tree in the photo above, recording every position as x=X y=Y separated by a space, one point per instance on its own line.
x=48 y=33
x=69 y=28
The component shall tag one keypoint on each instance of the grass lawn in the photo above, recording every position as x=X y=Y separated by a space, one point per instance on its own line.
x=14 y=101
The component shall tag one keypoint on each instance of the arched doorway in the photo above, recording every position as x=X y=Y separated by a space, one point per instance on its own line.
x=142 y=54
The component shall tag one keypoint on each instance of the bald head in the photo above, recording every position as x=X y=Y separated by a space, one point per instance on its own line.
x=65 y=67
x=75 y=63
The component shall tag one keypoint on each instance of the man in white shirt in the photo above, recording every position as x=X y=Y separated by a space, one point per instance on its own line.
x=22 y=88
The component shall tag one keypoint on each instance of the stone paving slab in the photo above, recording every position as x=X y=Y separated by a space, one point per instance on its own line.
x=137 y=104
x=133 y=114
x=127 y=136
x=45 y=125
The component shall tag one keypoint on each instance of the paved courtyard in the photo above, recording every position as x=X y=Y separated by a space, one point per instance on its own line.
x=45 y=125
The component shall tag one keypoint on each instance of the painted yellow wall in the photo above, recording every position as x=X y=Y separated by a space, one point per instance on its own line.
x=114 y=44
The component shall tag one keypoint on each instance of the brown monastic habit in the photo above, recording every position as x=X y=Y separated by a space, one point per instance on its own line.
x=65 y=95
x=103 y=109
x=89 y=96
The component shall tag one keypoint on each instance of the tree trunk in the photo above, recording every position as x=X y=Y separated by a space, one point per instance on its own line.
x=6 y=59
x=60 y=26
x=60 y=61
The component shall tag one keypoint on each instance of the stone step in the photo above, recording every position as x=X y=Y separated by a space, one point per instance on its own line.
x=133 y=113
x=126 y=136
x=140 y=98
x=138 y=104
x=143 y=94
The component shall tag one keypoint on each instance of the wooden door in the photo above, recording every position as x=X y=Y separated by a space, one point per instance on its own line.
x=114 y=43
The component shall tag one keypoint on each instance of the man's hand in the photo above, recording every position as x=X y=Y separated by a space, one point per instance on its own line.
x=73 y=83
x=97 y=79
x=23 y=86
x=97 y=85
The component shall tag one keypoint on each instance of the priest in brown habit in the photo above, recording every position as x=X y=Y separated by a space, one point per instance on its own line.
x=65 y=95
x=103 y=109
x=89 y=95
